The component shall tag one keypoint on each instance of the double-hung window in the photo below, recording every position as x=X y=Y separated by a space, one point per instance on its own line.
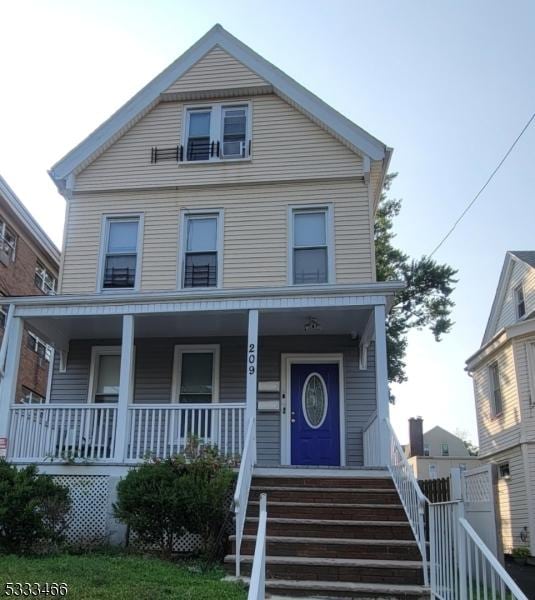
x=445 y=449
x=201 y=242
x=496 y=403
x=520 y=301
x=217 y=132
x=105 y=374
x=31 y=397
x=44 y=279
x=310 y=248
x=8 y=241
x=38 y=346
x=120 y=262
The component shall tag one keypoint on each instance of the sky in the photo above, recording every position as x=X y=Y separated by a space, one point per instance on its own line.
x=447 y=84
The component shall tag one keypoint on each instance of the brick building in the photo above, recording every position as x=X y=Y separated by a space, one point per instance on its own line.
x=29 y=264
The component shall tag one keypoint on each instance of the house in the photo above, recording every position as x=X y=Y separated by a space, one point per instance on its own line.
x=503 y=373
x=436 y=452
x=218 y=281
x=29 y=263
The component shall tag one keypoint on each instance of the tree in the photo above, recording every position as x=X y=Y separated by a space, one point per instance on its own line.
x=473 y=450
x=426 y=300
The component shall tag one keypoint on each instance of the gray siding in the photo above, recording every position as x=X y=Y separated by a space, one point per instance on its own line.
x=153 y=380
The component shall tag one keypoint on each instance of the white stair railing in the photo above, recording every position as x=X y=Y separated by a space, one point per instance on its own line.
x=241 y=495
x=413 y=500
x=257 y=584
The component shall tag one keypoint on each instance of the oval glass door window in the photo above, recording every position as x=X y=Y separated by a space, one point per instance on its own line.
x=315 y=400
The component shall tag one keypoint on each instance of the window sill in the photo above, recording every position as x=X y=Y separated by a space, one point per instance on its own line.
x=217 y=161
x=111 y=291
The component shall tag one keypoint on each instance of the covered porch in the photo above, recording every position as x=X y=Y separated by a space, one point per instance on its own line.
x=131 y=380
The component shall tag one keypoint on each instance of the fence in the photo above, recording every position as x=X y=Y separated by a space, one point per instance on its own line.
x=436 y=490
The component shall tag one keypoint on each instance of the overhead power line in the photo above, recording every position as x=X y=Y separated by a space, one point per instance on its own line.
x=472 y=202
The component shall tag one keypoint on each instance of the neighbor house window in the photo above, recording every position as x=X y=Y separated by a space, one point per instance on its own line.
x=120 y=253
x=426 y=450
x=31 y=397
x=310 y=251
x=216 y=132
x=445 y=450
x=3 y=315
x=105 y=374
x=520 y=302
x=39 y=346
x=201 y=241
x=44 y=279
x=8 y=241
x=504 y=471
x=495 y=390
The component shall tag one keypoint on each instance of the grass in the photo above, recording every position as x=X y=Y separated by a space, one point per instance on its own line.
x=120 y=577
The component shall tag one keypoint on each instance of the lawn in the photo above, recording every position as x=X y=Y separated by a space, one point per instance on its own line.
x=117 y=577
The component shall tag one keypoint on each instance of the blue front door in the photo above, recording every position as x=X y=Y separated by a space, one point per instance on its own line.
x=315 y=414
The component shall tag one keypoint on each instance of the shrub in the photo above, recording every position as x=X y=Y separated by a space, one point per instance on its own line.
x=163 y=499
x=33 y=510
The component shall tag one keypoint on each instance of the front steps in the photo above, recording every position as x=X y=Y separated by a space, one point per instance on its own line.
x=343 y=536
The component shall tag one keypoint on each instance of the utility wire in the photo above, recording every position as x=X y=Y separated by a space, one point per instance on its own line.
x=472 y=202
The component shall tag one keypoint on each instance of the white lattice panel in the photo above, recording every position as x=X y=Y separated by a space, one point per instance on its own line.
x=87 y=520
x=478 y=487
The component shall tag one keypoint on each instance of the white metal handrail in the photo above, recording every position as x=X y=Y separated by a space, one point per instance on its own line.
x=480 y=573
x=413 y=500
x=372 y=443
x=243 y=485
x=257 y=584
x=444 y=549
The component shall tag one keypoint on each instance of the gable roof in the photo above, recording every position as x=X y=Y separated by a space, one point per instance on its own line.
x=42 y=239
x=512 y=256
x=348 y=132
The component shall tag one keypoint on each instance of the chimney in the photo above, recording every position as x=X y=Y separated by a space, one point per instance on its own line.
x=416 y=436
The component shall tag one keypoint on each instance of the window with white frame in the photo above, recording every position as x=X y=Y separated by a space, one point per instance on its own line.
x=200 y=250
x=504 y=472
x=8 y=240
x=30 y=397
x=519 y=301
x=445 y=449
x=426 y=450
x=39 y=346
x=3 y=315
x=310 y=240
x=217 y=132
x=105 y=374
x=196 y=371
x=496 y=404
x=120 y=262
x=44 y=279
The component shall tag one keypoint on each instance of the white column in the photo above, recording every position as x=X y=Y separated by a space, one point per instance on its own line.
x=126 y=387
x=381 y=381
x=251 y=366
x=8 y=385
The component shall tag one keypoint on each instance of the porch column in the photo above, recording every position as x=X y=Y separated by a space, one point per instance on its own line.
x=126 y=387
x=381 y=382
x=251 y=366
x=8 y=384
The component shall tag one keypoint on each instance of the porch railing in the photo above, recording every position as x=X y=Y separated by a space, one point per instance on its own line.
x=257 y=584
x=164 y=430
x=62 y=432
x=372 y=443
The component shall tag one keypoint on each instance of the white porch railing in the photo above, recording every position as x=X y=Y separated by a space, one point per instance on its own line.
x=62 y=432
x=163 y=430
x=372 y=443
x=444 y=549
x=241 y=495
x=257 y=584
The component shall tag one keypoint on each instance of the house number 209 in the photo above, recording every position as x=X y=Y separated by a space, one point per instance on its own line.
x=251 y=359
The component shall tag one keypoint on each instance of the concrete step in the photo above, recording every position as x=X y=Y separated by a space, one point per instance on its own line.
x=325 y=510
x=332 y=548
x=335 y=569
x=334 y=495
x=333 y=528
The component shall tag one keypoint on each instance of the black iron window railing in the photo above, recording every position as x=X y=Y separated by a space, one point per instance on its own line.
x=117 y=277
x=200 y=270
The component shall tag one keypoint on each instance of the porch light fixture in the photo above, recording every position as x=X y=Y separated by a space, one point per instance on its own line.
x=312 y=324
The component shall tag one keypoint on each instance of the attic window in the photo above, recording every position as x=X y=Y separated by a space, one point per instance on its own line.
x=520 y=302
x=216 y=132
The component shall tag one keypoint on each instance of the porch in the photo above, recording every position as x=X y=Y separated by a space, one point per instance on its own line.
x=160 y=398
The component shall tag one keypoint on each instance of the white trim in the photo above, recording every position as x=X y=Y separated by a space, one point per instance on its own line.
x=494 y=414
x=219 y=213
x=104 y=236
x=96 y=353
x=48 y=394
x=181 y=349
x=286 y=399
x=355 y=137
x=328 y=209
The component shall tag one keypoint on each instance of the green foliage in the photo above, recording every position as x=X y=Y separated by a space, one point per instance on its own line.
x=520 y=552
x=425 y=301
x=162 y=499
x=33 y=510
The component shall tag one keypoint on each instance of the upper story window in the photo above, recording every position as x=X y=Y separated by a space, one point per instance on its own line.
x=520 y=303
x=39 y=346
x=8 y=243
x=496 y=403
x=445 y=449
x=217 y=132
x=201 y=239
x=426 y=450
x=310 y=251
x=121 y=253
x=3 y=315
x=44 y=279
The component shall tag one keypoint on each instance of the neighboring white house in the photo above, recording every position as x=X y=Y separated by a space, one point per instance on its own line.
x=503 y=372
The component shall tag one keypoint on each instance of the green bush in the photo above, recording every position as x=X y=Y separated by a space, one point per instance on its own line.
x=163 y=499
x=33 y=510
